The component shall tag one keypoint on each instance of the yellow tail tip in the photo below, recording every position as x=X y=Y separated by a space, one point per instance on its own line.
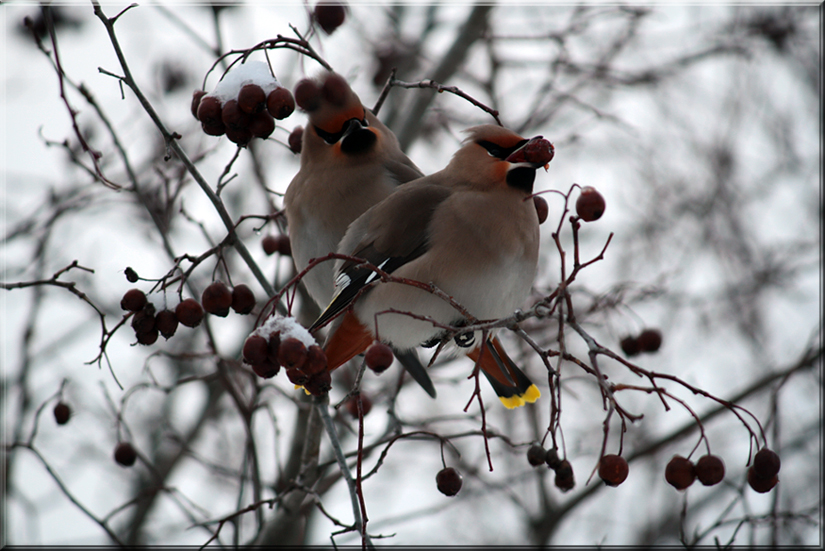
x=530 y=395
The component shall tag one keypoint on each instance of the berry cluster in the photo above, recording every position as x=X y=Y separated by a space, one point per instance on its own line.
x=590 y=204
x=648 y=340
x=276 y=244
x=274 y=345
x=538 y=456
x=680 y=472
x=244 y=105
x=217 y=299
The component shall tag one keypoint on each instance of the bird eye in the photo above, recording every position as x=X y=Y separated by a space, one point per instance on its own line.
x=493 y=150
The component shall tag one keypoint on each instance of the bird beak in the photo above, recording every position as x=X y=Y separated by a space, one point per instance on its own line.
x=356 y=137
x=537 y=152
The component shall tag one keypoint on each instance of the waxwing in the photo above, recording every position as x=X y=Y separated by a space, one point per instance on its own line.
x=349 y=162
x=470 y=229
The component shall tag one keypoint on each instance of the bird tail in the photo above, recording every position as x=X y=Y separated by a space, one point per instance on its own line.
x=512 y=386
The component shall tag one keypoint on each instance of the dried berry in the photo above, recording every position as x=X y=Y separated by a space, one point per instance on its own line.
x=630 y=346
x=336 y=90
x=379 y=357
x=329 y=15
x=352 y=405
x=649 y=340
x=62 y=412
x=133 y=300
x=319 y=383
x=316 y=360
x=251 y=99
x=307 y=95
x=144 y=321
x=680 y=472
x=209 y=111
x=197 y=95
x=536 y=455
x=766 y=463
x=590 y=204
x=262 y=125
x=448 y=481
x=542 y=209
x=292 y=353
x=243 y=300
x=189 y=312
x=148 y=337
x=217 y=299
x=564 y=476
x=297 y=377
x=255 y=350
x=280 y=103
x=760 y=484
x=552 y=459
x=167 y=323
x=613 y=469
x=270 y=244
x=131 y=275
x=125 y=454
x=710 y=470
x=266 y=370
x=295 y=139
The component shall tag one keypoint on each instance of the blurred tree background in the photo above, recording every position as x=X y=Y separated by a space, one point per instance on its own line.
x=700 y=126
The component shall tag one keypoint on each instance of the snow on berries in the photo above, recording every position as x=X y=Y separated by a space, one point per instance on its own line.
x=244 y=104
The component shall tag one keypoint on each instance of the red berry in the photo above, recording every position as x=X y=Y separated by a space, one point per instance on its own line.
x=329 y=15
x=448 y=481
x=266 y=370
x=133 y=300
x=590 y=204
x=307 y=95
x=280 y=102
x=766 y=463
x=649 y=340
x=209 y=111
x=295 y=139
x=240 y=136
x=189 y=312
x=125 y=454
x=297 y=377
x=710 y=470
x=217 y=129
x=270 y=244
x=536 y=455
x=613 y=469
x=542 y=209
x=167 y=323
x=292 y=353
x=148 y=337
x=630 y=346
x=217 y=299
x=196 y=101
x=379 y=357
x=243 y=300
x=273 y=344
x=233 y=117
x=336 y=90
x=316 y=360
x=251 y=99
x=62 y=412
x=131 y=275
x=761 y=484
x=319 y=383
x=564 y=480
x=680 y=472
x=255 y=350
x=262 y=125
x=352 y=405
x=284 y=246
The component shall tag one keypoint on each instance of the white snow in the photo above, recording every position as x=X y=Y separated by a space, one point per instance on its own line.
x=251 y=72
x=289 y=328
